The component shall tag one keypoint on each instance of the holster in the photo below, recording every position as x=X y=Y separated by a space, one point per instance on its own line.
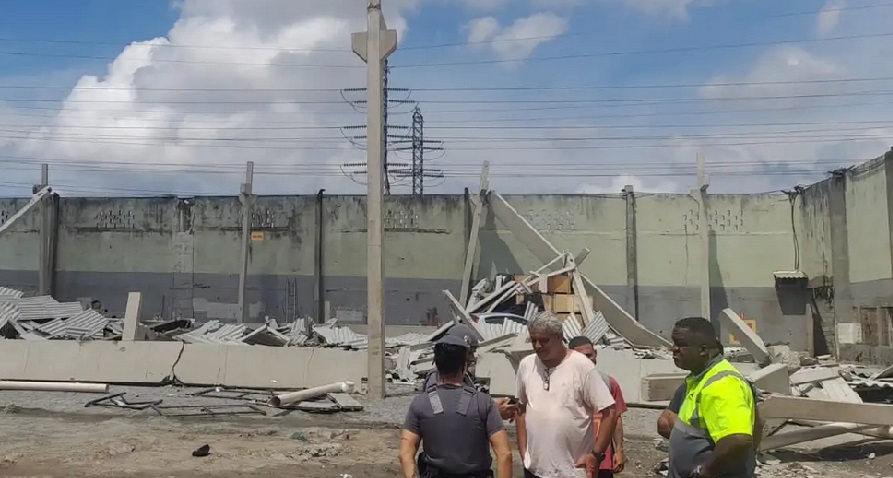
x=427 y=471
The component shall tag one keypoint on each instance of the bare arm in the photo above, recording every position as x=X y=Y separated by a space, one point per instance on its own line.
x=409 y=447
x=728 y=454
x=665 y=423
x=618 y=434
x=606 y=429
x=499 y=441
x=521 y=429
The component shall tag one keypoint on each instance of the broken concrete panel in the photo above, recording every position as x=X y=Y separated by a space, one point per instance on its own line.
x=748 y=338
x=772 y=379
x=777 y=406
x=498 y=367
x=523 y=231
x=152 y=363
x=661 y=387
x=814 y=374
x=105 y=362
x=780 y=440
x=620 y=320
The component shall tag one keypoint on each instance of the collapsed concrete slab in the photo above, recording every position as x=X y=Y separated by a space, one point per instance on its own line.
x=151 y=363
x=619 y=320
x=772 y=379
x=777 y=406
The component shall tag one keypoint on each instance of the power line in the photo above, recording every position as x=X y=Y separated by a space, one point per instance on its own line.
x=650 y=52
x=402 y=48
x=463 y=63
x=632 y=101
x=463 y=88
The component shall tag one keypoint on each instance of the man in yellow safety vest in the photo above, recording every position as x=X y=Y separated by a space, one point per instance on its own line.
x=713 y=435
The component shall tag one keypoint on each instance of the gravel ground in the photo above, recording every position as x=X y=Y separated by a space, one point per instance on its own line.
x=55 y=435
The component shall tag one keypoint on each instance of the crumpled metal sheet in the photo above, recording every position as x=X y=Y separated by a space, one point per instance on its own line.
x=340 y=336
x=44 y=308
x=7 y=293
x=87 y=324
x=212 y=332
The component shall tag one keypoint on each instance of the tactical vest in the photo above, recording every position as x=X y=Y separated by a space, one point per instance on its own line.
x=468 y=392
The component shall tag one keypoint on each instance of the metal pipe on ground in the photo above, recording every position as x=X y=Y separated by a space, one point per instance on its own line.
x=75 y=387
x=290 y=398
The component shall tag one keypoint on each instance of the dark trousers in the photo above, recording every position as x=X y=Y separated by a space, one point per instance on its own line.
x=427 y=471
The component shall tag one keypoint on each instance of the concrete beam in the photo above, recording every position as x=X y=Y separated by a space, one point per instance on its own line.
x=152 y=363
x=748 y=338
x=777 y=406
x=523 y=231
x=132 y=316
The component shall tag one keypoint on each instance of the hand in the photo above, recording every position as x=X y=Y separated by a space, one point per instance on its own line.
x=619 y=461
x=506 y=410
x=701 y=472
x=590 y=463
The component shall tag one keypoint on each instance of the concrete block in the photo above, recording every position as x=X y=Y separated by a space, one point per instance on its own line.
x=748 y=338
x=661 y=387
x=772 y=379
x=784 y=354
x=777 y=406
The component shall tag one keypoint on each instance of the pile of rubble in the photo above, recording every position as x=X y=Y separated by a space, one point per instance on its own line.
x=42 y=318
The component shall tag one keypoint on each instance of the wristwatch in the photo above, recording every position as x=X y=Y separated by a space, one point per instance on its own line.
x=600 y=457
x=698 y=472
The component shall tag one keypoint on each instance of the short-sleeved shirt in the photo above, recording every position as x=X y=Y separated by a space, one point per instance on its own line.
x=559 y=421
x=620 y=408
x=452 y=442
x=678 y=398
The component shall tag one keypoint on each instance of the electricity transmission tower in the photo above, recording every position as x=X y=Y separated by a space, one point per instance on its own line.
x=357 y=137
x=416 y=142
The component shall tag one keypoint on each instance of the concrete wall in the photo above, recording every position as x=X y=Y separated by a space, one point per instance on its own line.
x=184 y=253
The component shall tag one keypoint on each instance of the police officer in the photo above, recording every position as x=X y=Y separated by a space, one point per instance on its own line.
x=464 y=333
x=713 y=434
x=454 y=422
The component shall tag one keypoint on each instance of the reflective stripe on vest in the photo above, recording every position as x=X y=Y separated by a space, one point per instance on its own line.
x=695 y=427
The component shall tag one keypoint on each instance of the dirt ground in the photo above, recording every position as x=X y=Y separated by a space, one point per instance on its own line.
x=51 y=436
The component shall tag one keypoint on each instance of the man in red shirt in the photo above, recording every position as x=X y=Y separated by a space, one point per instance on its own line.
x=614 y=459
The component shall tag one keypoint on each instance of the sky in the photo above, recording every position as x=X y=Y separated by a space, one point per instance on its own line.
x=149 y=97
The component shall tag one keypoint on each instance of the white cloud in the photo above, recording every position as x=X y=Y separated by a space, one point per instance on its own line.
x=640 y=185
x=518 y=40
x=829 y=17
x=160 y=107
x=673 y=9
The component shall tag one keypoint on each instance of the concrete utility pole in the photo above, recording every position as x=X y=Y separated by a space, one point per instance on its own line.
x=700 y=196
x=44 y=273
x=374 y=46
x=246 y=197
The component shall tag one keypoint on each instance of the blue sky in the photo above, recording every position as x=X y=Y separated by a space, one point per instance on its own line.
x=624 y=126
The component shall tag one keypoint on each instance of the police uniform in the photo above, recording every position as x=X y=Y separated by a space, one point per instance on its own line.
x=464 y=333
x=455 y=424
x=718 y=402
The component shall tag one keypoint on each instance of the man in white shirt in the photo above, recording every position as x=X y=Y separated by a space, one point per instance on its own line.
x=559 y=392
